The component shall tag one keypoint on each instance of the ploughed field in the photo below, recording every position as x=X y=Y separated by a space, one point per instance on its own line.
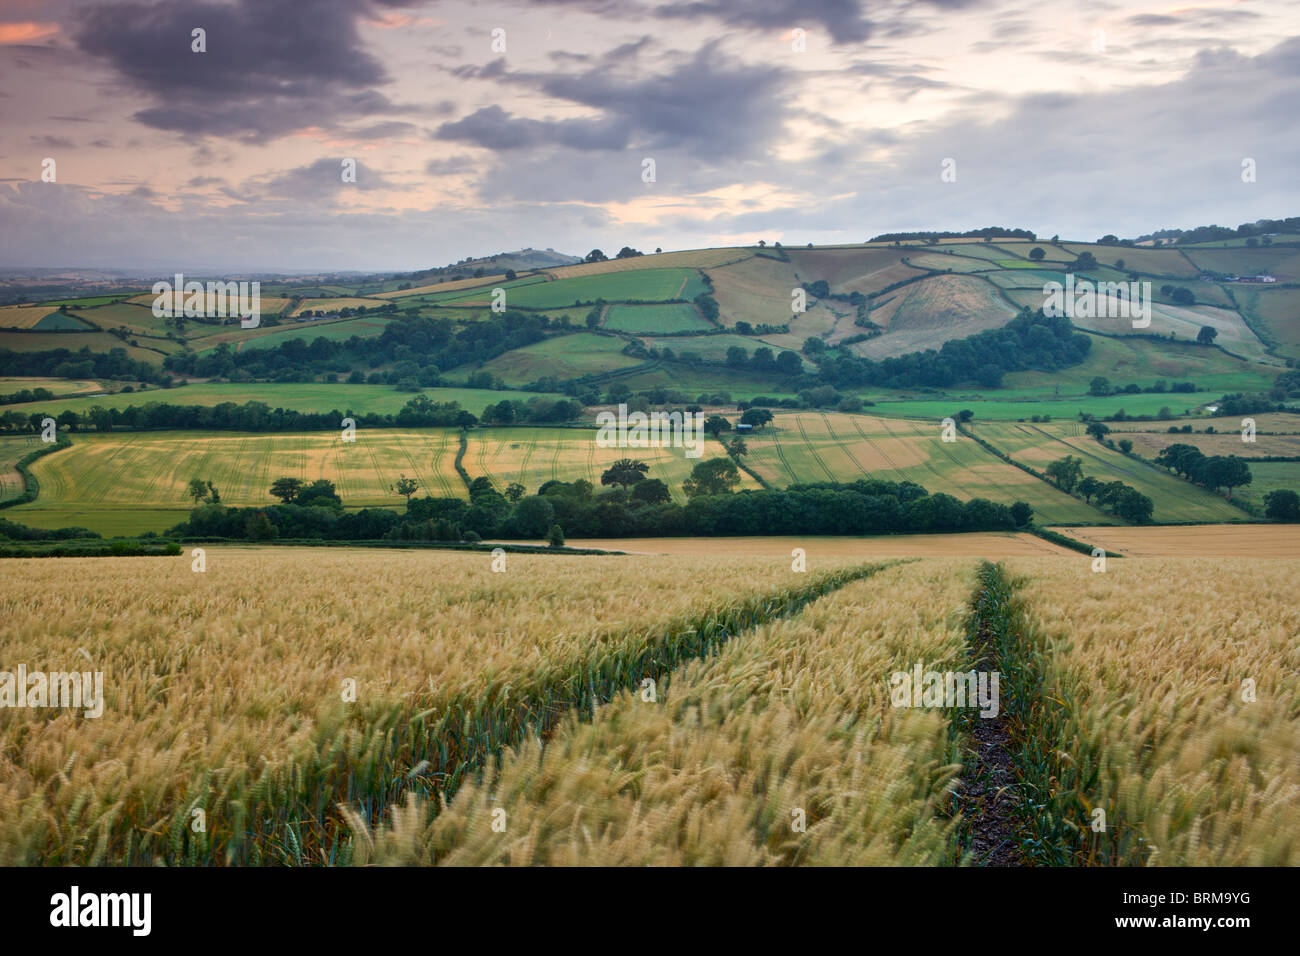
x=345 y=707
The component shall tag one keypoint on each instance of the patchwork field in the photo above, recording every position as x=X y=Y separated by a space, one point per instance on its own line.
x=24 y=316
x=864 y=270
x=809 y=447
x=1184 y=323
x=757 y=290
x=926 y=314
x=1175 y=499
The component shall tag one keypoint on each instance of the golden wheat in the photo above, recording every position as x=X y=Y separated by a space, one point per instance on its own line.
x=795 y=716
x=224 y=690
x=1151 y=661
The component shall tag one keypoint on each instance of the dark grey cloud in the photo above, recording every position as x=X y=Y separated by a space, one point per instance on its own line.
x=271 y=66
x=321 y=181
x=705 y=105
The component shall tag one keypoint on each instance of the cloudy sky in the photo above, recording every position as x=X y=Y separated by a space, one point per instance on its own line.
x=479 y=127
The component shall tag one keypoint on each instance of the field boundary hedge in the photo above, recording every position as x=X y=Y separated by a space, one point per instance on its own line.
x=31 y=486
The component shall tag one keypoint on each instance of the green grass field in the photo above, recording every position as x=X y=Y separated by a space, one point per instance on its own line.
x=308 y=397
x=669 y=317
x=1266 y=476
x=136 y=482
x=989 y=405
x=311 y=331
x=1175 y=500
x=812 y=446
x=1142 y=362
x=711 y=348
x=564 y=356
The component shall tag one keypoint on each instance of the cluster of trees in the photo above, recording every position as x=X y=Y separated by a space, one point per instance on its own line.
x=419 y=412
x=1100 y=385
x=631 y=504
x=24 y=395
x=115 y=364
x=416 y=347
x=1124 y=501
x=1029 y=341
x=1282 y=505
x=1210 y=471
x=988 y=232
x=1258 y=228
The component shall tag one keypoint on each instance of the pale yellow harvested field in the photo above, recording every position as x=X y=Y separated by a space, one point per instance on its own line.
x=991 y=545
x=1280 y=422
x=1177 y=680
x=23 y=316
x=62 y=387
x=269 y=304
x=1206 y=540
x=333 y=305
x=1150 y=444
x=450 y=286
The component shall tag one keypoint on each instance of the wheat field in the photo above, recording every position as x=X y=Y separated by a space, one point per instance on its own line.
x=319 y=706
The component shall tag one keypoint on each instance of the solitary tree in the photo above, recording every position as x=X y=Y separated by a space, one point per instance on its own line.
x=716 y=425
x=197 y=489
x=1036 y=254
x=717 y=476
x=406 y=487
x=624 y=472
x=1065 y=472
x=286 y=489
x=1207 y=335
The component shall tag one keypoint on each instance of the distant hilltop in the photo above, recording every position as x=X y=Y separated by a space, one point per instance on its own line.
x=518 y=261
